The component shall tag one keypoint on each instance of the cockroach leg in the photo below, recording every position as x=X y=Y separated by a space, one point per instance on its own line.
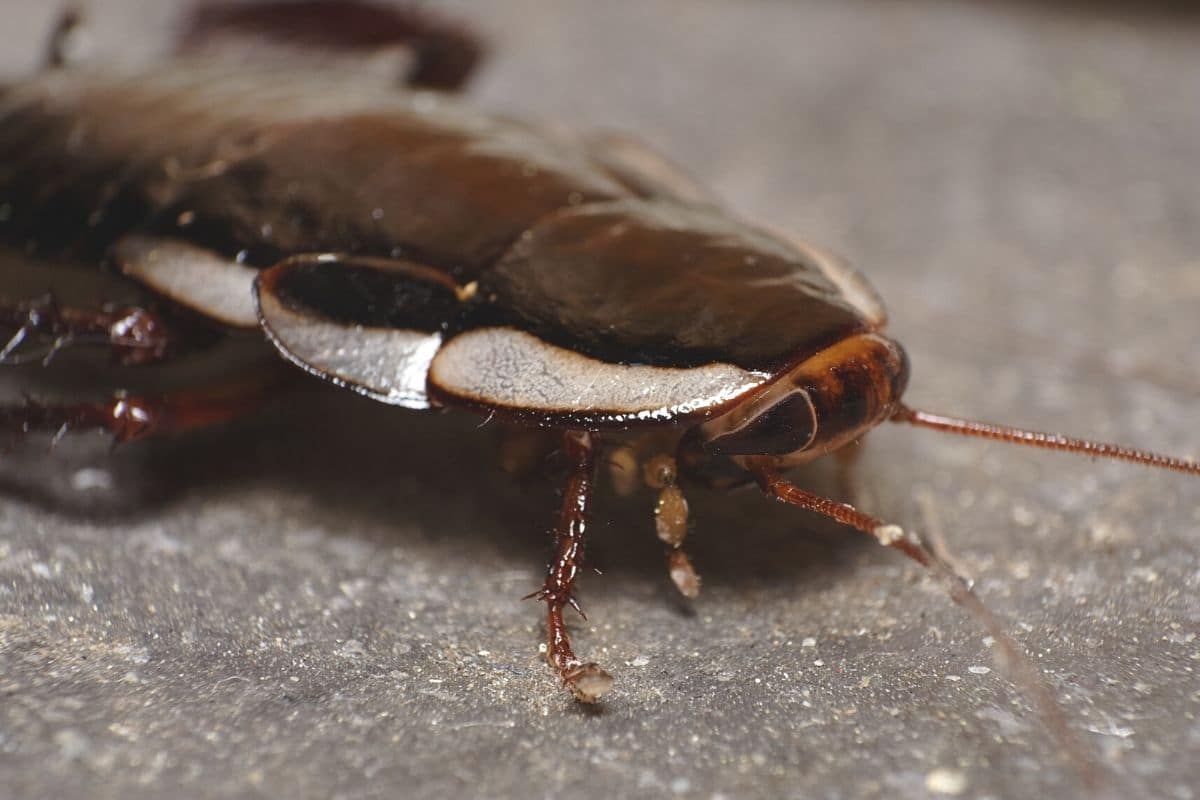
x=42 y=328
x=128 y=417
x=623 y=470
x=1012 y=656
x=670 y=510
x=68 y=40
x=682 y=573
x=443 y=55
x=935 y=538
x=644 y=170
x=624 y=460
x=587 y=681
x=125 y=417
x=523 y=449
x=671 y=522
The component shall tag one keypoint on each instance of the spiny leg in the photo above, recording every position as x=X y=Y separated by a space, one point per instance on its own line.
x=134 y=335
x=1023 y=672
x=586 y=681
x=129 y=417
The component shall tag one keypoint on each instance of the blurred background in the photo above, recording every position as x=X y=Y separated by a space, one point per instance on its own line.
x=324 y=602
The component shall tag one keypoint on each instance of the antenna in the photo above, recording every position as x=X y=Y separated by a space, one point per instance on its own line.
x=1048 y=441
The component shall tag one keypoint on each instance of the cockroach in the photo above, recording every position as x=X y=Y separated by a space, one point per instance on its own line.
x=393 y=241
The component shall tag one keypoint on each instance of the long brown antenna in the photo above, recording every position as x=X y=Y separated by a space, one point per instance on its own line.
x=1049 y=441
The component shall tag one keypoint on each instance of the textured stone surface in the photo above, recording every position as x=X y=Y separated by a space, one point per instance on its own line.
x=324 y=603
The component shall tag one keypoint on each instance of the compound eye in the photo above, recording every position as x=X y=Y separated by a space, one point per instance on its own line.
x=769 y=425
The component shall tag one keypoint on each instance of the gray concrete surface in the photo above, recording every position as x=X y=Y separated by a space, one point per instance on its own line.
x=324 y=603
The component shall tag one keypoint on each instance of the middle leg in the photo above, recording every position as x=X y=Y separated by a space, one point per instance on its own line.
x=587 y=681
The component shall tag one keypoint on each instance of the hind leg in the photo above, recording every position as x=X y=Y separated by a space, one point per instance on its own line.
x=41 y=328
x=128 y=417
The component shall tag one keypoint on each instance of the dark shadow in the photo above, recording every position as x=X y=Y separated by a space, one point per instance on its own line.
x=402 y=477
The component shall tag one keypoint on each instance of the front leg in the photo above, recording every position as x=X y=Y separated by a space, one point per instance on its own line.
x=586 y=681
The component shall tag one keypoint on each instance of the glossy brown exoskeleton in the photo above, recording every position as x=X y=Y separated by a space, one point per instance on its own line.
x=399 y=244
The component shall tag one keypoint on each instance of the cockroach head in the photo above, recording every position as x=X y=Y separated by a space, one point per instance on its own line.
x=815 y=406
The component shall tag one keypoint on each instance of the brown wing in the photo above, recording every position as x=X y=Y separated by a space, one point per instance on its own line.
x=274 y=163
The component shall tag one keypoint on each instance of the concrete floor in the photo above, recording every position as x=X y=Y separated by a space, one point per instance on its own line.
x=324 y=602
